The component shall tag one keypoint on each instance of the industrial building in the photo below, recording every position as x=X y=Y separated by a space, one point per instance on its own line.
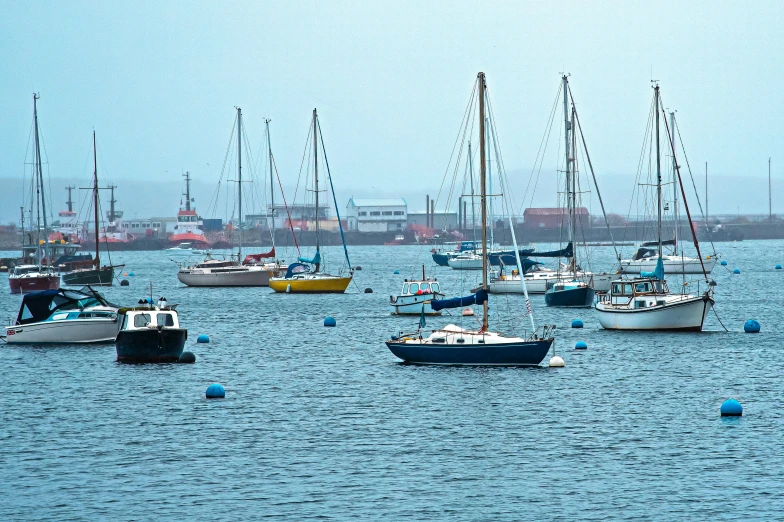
x=553 y=218
x=377 y=215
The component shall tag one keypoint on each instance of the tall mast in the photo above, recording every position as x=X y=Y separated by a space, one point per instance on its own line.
x=482 y=181
x=658 y=170
x=315 y=178
x=95 y=203
x=490 y=183
x=69 y=188
x=676 y=214
x=239 y=180
x=187 y=194
x=272 y=186
x=39 y=183
x=572 y=224
x=567 y=147
x=473 y=204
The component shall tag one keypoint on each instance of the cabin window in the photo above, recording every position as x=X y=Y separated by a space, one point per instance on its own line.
x=639 y=304
x=460 y=340
x=125 y=322
x=439 y=340
x=642 y=287
x=627 y=289
x=659 y=303
x=59 y=317
x=414 y=288
x=165 y=320
x=141 y=320
x=435 y=287
x=405 y=288
x=616 y=289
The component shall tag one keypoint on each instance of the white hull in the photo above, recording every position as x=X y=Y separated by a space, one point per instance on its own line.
x=679 y=313
x=672 y=265
x=232 y=276
x=539 y=283
x=411 y=305
x=63 y=332
x=457 y=263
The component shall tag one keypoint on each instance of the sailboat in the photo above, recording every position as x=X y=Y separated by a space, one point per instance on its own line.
x=646 y=302
x=38 y=276
x=308 y=276
x=97 y=275
x=218 y=273
x=454 y=345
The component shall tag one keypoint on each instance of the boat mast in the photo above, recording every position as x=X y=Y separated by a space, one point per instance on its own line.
x=483 y=200
x=187 y=194
x=69 y=188
x=567 y=147
x=658 y=172
x=707 y=222
x=473 y=204
x=239 y=180
x=39 y=185
x=112 y=201
x=490 y=182
x=272 y=186
x=573 y=224
x=674 y=188
x=315 y=181
x=97 y=261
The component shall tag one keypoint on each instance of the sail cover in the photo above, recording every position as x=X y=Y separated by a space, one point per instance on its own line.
x=477 y=298
x=255 y=258
x=38 y=306
x=668 y=242
x=507 y=257
x=564 y=252
x=315 y=261
x=658 y=272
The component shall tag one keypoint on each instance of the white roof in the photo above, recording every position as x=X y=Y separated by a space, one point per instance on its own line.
x=378 y=202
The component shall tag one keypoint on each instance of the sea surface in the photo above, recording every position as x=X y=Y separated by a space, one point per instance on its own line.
x=325 y=423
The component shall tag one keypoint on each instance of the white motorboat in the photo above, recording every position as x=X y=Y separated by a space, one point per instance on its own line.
x=63 y=317
x=673 y=264
x=415 y=297
x=466 y=261
x=647 y=304
x=183 y=249
x=214 y=272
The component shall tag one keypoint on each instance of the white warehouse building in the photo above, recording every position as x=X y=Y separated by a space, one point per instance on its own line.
x=377 y=215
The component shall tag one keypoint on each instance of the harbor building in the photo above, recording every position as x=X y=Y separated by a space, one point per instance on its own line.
x=553 y=218
x=377 y=215
x=441 y=220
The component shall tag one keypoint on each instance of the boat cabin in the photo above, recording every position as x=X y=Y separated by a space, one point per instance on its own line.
x=420 y=287
x=561 y=286
x=643 y=292
x=144 y=318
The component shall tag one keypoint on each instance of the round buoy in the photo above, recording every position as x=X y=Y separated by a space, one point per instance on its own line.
x=203 y=338
x=125 y=282
x=330 y=321
x=215 y=391
x=125 y=274
x=778 y=266
x=131 y=274
x=357 y=267
x=187 y=357
x=556 y=362
x=731 y=408
x=736 y=271
x=368 y=290
x=723 y=262
x=581 y=345
x=396 y=272
x=468 y=312
x=577 y=323
x=751 y=326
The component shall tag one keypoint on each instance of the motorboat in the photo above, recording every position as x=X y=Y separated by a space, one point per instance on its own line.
x=63 y=316
x=33 y=278
x=645 y=259
x=415 y=298
x=466 y=261
x=215 y=272
x=183 y=249
x=570 y=294
x=150 y=333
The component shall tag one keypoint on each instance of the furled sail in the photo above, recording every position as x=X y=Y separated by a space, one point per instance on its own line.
x=658 y=272
x=668 y=242
x=255 y=258
x=315 y=261
x=477 y=298
x=564 y=252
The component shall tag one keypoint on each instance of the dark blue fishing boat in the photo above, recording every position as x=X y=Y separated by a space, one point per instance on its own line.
x=454 y=345
x=150 y=334
x=570 y=294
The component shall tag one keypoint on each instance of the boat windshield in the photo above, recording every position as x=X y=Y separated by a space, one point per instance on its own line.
x=405 y=288
x=414 y=288
x=434 y=286
x=141 y=320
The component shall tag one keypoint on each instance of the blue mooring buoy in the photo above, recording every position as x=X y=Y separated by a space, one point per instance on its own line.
x=396 y=272
x=131 y=274
x=203 y=338
x=580 y=345
x=215 y=391
x=751 y=326
x=577 y=323
x=187 y=357
x=731 y=408
x=330 y=321
x=723 y=262
x=778 y=266
x=736 y=271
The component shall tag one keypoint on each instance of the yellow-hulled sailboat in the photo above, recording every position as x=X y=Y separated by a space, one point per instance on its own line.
x=306 y=276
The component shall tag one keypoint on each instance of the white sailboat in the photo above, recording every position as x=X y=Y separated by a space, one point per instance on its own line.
x=646 y=303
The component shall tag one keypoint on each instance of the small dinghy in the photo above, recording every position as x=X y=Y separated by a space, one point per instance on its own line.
x=150 y=333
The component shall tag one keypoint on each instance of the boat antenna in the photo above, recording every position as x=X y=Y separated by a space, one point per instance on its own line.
x=658 y=171
x=483 y=198
x=95 y=203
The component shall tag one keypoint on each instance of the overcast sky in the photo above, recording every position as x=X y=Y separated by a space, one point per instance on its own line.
x=159 y=81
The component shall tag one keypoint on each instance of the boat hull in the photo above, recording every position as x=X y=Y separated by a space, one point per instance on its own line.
x=441 y=259
x=687 y=314
x=526 y=353
x=245 y=276
x=540 y=285
x=23 y=285
x=411 y=305
x=322 y=285
x=672 y=265
x=63 y=332
x=93 y=277
x=457 y=263
x=150 y=345
x=572 y=297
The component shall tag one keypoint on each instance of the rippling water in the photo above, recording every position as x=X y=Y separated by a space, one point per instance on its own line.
x=324 y=423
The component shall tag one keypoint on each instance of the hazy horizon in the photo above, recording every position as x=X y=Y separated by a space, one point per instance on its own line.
x=159 y=84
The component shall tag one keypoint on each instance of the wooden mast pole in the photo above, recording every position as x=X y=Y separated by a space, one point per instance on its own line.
x=483 y=200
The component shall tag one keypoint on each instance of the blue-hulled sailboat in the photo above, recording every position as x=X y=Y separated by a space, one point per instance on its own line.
x=454 y=345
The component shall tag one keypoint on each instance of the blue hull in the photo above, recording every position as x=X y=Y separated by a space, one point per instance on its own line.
x=140 y=346
x=573 y=297
x=441 y=259
x=528 y=353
